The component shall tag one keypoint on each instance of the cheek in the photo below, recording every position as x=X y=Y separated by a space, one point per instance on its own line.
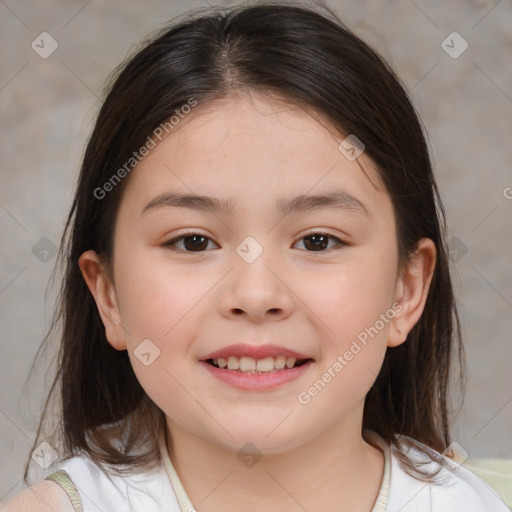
x=155 y=297
x=165 y=384
x=160 y=307
x=353 y=311
x=350 y=299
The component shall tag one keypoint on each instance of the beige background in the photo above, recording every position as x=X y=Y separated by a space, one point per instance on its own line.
x=48 y=105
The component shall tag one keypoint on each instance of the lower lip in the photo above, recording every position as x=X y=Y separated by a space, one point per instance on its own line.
x=254 y=381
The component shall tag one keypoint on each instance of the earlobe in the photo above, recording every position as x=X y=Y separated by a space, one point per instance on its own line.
x=412 y=291
x=104 y=294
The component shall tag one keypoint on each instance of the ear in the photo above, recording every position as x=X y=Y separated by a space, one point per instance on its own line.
x=104 y=293
x=412 y=290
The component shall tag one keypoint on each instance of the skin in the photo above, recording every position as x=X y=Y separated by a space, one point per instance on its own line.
x=44 y=496
x=255 y=150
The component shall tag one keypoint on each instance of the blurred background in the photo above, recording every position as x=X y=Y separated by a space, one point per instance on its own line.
x=456 y=63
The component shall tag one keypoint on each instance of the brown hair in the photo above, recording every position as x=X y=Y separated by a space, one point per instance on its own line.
x=311 y=59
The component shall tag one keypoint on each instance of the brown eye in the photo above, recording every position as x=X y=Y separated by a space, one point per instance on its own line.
x=318 y=242
x=191 y=243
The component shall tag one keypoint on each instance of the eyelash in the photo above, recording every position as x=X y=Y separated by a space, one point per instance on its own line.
x=170 y=243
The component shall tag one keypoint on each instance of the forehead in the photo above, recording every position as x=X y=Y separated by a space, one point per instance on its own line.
x=250 y=149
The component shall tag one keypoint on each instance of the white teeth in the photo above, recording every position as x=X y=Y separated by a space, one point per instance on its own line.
x=233 y=363
x=290 y=361
x=251 y=365
x=279 y=362
x=247 y=363
x=265 y=365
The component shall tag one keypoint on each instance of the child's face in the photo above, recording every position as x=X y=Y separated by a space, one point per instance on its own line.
x=318 y=303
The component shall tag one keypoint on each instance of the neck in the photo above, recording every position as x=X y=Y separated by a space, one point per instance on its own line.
x=336 y=469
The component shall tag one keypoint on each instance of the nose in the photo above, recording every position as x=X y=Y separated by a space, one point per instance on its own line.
x=257 y=291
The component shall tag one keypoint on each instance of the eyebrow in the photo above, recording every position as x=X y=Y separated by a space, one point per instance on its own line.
x=339 y=199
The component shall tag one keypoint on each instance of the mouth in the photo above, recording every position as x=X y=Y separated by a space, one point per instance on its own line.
x=251 y=366
x=257 y=368
x=257 y=375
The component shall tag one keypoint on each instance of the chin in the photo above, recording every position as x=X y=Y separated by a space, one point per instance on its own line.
x=272 y=437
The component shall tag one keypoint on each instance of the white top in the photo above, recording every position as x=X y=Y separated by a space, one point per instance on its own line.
x=160 y=490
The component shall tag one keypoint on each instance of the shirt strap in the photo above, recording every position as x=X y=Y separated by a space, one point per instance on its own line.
x=181 y=495
x=186 y=506
x=382 y=498
x=63 y=479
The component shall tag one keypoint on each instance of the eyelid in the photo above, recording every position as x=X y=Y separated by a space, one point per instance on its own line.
x=176 y=237
x=321 y=231
x=340 y=242
x=170 y=243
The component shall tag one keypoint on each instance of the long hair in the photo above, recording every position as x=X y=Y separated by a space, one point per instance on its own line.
x=311 y=59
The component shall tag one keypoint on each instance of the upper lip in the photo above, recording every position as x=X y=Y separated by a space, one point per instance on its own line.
x=254 y=351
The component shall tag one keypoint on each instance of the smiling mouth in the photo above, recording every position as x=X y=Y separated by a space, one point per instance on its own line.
x=249 y=365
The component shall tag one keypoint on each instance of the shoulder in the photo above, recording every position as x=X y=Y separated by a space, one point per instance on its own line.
x=147 y=490
x=45 y=496
x=455 y=487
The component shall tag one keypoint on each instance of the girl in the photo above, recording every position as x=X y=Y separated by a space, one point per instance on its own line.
x=257 y=307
